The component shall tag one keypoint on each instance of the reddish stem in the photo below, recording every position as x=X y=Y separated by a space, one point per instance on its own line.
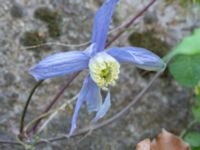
x=129 y=22
x=56 y=98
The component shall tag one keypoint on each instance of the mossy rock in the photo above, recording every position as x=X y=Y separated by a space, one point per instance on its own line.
x=47 y=15
x=148 y=41
x=54 y=30
x=33 y=39
x=51 y=18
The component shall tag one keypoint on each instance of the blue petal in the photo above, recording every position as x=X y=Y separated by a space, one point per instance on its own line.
x=90 y=51
x=81 y=99
x=103 y=109
x=60 y=64
x=101 y=24
x=89 y=93
x=93 y=97
x=140 y=57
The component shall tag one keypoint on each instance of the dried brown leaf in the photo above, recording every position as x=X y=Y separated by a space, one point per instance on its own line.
x=164 y=141
x=144 y=145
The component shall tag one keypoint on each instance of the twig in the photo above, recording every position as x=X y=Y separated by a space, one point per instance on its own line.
x=70 y=45
x=56 y=98
x=130 y=22
x=44 y=115
x=59 y=44
x=56 y=111
x=13 y=142
x=100 y=125
x=115 y=117
x=26 y=105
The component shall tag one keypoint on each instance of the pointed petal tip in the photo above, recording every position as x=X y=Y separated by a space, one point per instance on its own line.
x=71 y=132
x=32 y=71
x=102 y=20
x=140 y=57
x=161 y=65
x=81 y=99
x=93 y=97
x=103 y=109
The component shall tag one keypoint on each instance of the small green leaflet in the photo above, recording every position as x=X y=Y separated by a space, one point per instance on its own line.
x=185 y=60
x=193 y=138
x=189 y=46
x=186 y=69
x=196 y=108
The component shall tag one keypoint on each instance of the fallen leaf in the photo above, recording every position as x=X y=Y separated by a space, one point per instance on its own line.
x=144 y=145
x=164 y=141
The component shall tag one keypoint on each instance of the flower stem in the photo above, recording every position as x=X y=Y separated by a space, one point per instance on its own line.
x=111 y=119
x=56 y=98
x=123 y=111
x=97 y=126
x=27 y=104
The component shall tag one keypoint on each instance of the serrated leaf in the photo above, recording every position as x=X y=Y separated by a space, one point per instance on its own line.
x=193 y=138
x=186 y=69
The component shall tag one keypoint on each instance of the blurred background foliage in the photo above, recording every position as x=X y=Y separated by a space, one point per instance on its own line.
x=184 y=2
x=184 y=65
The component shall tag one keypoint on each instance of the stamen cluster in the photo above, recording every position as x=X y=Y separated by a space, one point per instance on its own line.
x=104 y=70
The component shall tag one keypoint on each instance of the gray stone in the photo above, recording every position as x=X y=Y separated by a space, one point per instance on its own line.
x=9 y=78
x=17 y=11
x=165 y=105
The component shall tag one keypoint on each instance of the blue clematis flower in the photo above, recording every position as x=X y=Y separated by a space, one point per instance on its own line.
x=103 y=66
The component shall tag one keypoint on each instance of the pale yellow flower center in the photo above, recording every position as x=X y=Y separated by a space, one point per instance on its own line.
x=104 y=70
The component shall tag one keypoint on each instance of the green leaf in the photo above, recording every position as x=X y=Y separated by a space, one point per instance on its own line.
x=186 y=69
x=196 y=109
x=196 y=113
x=193 y=138
x=198 y=98
x=195 y=148
x=189 y=46
x=197 y=31
x=197 y=90
x=196 y=1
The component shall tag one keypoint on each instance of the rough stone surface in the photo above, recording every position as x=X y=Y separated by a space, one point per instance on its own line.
x=166 y=104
